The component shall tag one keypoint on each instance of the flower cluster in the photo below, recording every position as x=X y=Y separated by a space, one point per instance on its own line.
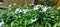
x=39 y=16
x=18 y=10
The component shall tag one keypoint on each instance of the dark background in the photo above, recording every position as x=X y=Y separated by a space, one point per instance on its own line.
x=1 y=0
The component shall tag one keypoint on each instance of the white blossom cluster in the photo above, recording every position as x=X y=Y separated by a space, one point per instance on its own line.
x=18 y=10
x=37 y=7
x=44 y=8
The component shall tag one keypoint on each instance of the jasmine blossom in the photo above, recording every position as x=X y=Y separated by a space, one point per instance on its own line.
x=20 y=10
x=10 y=5
x=44 y=9
x=17 y=10
x=1 y=23
x=24 y=11
x=34 y=20
x=52 y=16
x=35 y=8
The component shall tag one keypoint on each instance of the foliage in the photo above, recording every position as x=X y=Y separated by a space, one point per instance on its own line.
x=39 y=16
x=47 y=2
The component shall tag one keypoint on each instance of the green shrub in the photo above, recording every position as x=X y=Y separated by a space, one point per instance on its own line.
x=39 y=16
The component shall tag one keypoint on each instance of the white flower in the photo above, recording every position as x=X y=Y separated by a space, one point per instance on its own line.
x=10 y=5
x=34 y=20
x=20 y=10
x=1 y=23
x=52 y=16
x=40 y=6
x=24 y=11
x=14 y=4
x=44 y=9
x=37 y=7
x=17 y=10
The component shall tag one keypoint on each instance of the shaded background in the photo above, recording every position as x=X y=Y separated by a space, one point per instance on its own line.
x=1 y=0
